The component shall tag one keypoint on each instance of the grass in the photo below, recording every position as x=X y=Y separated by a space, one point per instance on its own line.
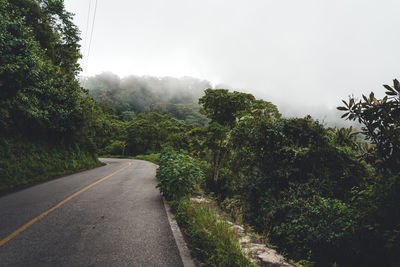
x=209 y=236
x=151 y=157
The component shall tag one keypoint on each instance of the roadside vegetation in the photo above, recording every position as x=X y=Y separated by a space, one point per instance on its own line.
x=323 y=196
x=208 y=234
x=25 y=162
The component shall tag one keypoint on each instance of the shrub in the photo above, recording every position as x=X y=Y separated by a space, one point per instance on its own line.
x=178 y=175
x=317 y=228
x=115 y=148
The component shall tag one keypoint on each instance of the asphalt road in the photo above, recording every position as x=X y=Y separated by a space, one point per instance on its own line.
x=120 y=221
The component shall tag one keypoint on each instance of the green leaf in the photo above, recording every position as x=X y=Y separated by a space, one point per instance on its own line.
x=345 y=115
x=396 y=85
x=388 y=87
x=391 y=93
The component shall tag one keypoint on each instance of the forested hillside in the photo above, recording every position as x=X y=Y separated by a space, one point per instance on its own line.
x=132 y=95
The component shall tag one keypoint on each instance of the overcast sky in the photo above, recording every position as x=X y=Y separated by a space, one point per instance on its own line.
x=299 y=54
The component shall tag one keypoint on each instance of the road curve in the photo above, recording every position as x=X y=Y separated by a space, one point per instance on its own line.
x=119 y=221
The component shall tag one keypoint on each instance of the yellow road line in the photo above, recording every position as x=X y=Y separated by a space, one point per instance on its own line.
x=38 y=218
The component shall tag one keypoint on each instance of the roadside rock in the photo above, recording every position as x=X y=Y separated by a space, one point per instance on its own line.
x=199 y=199
x=258 y=252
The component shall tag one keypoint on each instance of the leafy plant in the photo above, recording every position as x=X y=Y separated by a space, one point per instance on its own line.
x=317 y=228
x=115 y=148
x=381 y=123
x=178 y=175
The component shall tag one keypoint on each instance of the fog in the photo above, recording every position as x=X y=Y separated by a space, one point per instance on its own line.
x=304 y=56
x=143 y=93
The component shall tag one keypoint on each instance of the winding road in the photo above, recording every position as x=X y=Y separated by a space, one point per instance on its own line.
x=108 y=216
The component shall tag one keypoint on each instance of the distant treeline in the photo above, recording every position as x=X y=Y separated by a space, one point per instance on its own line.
x=132 y=95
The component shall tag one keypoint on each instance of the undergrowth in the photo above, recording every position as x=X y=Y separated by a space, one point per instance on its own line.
x=209 y=236
x=23 y=162
x=150 y=157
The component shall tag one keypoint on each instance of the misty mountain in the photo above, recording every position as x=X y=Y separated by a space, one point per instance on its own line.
x=167 y=95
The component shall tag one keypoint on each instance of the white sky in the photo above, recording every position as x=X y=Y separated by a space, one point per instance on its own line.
x=306 y=54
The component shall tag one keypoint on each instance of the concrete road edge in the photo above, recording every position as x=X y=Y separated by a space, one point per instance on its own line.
x=180 y=242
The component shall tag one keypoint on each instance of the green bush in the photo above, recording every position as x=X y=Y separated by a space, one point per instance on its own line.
x=313 y=228
x=115 y=148
x=377 y=233
x=297 y=185
x=178 y=174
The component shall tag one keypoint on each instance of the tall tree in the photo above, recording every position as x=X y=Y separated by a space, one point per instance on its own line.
x=225 y=109
x=39 y=50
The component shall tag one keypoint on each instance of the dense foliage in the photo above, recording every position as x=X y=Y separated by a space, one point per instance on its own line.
x=42 y=105
x=324 y=196
x=38 y=54
x=296 y=184
x=151 y=132
x=143 y=134
x=225 y=109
